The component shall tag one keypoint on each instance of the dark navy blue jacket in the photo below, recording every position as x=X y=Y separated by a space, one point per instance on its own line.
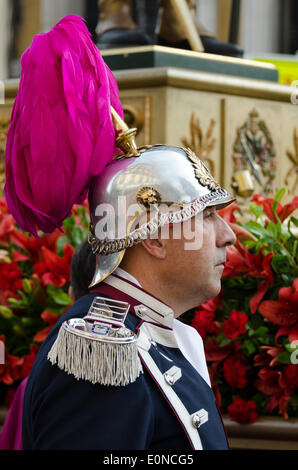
x=61 y=412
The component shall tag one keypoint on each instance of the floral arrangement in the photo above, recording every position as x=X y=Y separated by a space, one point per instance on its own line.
x=34 y=282
x=250 y=329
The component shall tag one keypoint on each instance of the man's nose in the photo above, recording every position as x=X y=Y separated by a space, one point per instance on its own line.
x=225 y=235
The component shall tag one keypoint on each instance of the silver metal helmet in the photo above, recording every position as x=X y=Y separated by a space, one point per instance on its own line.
x=141 y=180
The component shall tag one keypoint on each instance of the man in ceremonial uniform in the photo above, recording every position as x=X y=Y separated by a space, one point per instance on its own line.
x=119 y=370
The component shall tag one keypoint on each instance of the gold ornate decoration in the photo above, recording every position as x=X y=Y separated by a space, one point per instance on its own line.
x=115 y=14
x=293 y=157
x=254 y=150
x=147 y=196
x=126 y=137
x=201 y=171
x=199 y=143
x=4 y=126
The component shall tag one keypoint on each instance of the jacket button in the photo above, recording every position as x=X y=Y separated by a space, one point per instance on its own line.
x=196 y=421
x=169 y=379
x=142 y=310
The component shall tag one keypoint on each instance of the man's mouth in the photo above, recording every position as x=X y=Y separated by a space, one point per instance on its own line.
x=221 y=263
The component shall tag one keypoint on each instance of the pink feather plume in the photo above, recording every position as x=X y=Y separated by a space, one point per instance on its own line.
x=61 y=133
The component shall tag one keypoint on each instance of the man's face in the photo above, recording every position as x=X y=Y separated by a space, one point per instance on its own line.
x=197 y=272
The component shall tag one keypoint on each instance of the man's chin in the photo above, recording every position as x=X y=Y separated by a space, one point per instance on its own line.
x=214 y=290
x=210 y=292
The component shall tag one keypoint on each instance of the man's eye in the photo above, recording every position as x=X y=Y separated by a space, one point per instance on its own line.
x=209 y=215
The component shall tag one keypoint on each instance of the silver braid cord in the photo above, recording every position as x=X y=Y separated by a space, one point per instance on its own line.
x=106 y=247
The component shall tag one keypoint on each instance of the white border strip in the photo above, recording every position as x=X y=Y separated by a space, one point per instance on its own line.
x=139 y=295
x=168 y=391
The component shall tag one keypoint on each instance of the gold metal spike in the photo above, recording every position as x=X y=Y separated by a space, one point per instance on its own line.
x=126 y=137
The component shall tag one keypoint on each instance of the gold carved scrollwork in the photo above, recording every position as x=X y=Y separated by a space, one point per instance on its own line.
x=201 y=144
x=292 y=173
x=4 y=125
x=254 y=150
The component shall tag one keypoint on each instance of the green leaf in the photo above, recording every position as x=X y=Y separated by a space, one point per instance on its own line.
x=69 y=222
x=58 y=295
x=295 y=246
x=279 y=194
x=281 y=264
x=291 y=347
x=224 y=342
x=26 y=321
x=256 y=210
x=78 y=235
x=272 y=229
x=274 y=207
x=18 y=330
x=261 y=331
x=248 y=346
x=256 y=228
x=6 y=312
x=27 y=286
x=60 y=244
x=294 y=401
x=250 y=243
x=294 y=220
x=284 y=357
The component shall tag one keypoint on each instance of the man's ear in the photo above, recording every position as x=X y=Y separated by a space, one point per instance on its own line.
x=156 y=247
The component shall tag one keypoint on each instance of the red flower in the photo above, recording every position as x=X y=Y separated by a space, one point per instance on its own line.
x=290 y=331
x=33 y=245
x=212 y=304
x=243 y=412
x=265 y=358
x=28 y=361
x=240 y=262
x=54 y=269
x=269 y=381
x=203 y=322
x=9 y=397
x=263 y=286
x=283 y=312
x=290 y=376
x=9 y=371
x=6 y=223
x=10 y=281
x=235 y=324
x=282 y=211
x=48 y=317
x=215 y=353
x=227 y=213
x=10 y=277
x=280 y=399
x=235 y=263
x=272 y=383
x=235 y=372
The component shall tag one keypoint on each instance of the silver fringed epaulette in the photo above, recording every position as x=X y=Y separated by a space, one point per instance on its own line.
x=98 y=347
